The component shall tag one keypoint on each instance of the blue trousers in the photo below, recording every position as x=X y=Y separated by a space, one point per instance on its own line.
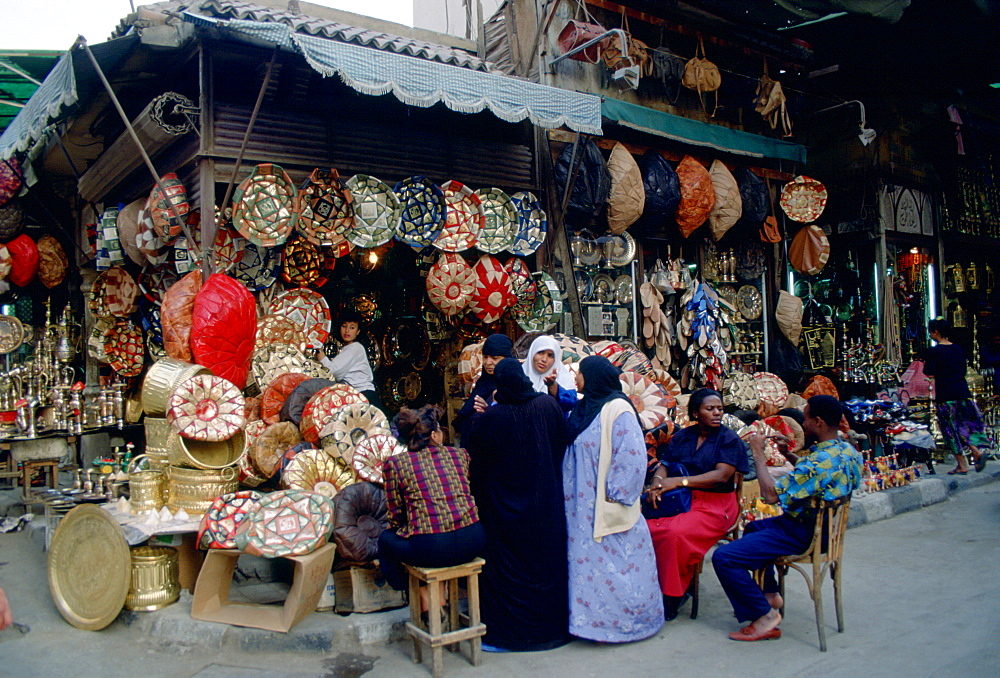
x=442 y=549
x=762 y=542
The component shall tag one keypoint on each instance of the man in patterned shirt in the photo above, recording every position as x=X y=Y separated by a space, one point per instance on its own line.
x=830 y=471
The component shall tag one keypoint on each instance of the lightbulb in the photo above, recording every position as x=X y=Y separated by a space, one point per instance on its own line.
x=372 y=258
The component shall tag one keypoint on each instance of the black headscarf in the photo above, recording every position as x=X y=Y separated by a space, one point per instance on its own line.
x=498 y=345
x=495 y=345
x=513 y=385
x=601 y=385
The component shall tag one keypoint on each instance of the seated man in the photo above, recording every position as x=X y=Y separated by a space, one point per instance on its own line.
x=831 y=470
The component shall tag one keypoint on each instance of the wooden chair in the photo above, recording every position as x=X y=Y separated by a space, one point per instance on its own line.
x=731 y=535
x=815 y=561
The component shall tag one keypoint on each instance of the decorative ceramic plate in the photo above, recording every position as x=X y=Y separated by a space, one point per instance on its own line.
x=89 y=568
x=316 y=471
x=604 y=289
x=547 y=308
x=450 y=283
x=206 y=407
x=492 y=295
x=326 y=211
x=321 y=409
x=522 y=284
x=272 y=329
x=650 y=400
x=155 y=280
x=749 y=302
x=221 y=521
x=125 y=349
x=307 y=308
x=120 y=291
x=167 y=222
x=619 y=249
x=350 y=425
x=287 y=523
x=423 y=211
x=258 y=267
x=463 y=218
x=377 y=211
x=11 y=334
x=229 y=248
x=371 y=452
x=532 y=224
x=264 y=206
x=803 y=199
x=624 y=290
x=500 y=221
x=303 y=264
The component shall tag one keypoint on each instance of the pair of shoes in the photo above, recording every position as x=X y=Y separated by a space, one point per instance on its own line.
x=672 y=605
x=956 y=472
x=981 y=462
x=748 y=634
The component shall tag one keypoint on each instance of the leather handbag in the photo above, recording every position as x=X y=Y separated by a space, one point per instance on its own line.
x=637 y=52
x=673 y=502
x=701 y=75
x=576 y=32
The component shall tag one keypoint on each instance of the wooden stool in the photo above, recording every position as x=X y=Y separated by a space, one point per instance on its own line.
x=50 y=467
x=461 y=626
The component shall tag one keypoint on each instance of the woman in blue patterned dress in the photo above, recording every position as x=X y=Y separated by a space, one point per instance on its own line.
x=614 y=596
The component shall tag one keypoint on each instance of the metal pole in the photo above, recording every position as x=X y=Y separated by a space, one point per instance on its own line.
x=21 y=73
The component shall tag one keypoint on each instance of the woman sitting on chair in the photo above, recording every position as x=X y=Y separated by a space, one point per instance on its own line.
x=711 y=454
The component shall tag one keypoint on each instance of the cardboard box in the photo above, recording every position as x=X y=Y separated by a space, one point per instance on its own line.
x=328 y=599
x=363 y=589
x=211 y=593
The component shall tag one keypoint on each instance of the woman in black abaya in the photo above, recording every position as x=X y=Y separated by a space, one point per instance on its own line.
x=516 y=447
x=495 y=348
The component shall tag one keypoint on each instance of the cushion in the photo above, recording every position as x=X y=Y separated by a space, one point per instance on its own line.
x=728 y=206
x=320 y=409
x=11 y=220
x=314 y=470
x=23 y=260
x=287 y=523
x=627 y=197
x=223 y=328
x=350 y=425
x=275 y=394
x=360 y=516
x=663 y=190
x=168 y=223
x=252 y=408
x=221 y=521
x=206 y=407
x=52 y=261
x=450 y=283
x=175 y=316
x=789 y=428
x=592 y=183
x=697 y=195
x=649 y=399
x=371 y=452
x=820 y=385
x=772 y=391
x=268 y=449
x=296 y=401
x=788 y=314
x=741 y=391
x=754 y=197
x=809 y=251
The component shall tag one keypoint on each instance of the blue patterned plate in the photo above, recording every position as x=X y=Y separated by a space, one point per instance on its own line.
x=533 y=225
x=258 y=268
x=423 y=214
x=501 y=222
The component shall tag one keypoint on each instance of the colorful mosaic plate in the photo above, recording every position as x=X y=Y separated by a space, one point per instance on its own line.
x=492 y=295
x=803 y=199
x=463 y=218
x=124 y=348
x=258 y=268
x=309 y=309
x=500 y=221
x=206 y=407
x=303 y=264
x=522 y=284
x=377 y=211
x=451 y=283
x=548 y=306
x=649 y=399
x=120 y=291
x=166 y=222
x=277 y=329
x=423 y=211
x=532 y=224
x=264 y=206
x=326 y=211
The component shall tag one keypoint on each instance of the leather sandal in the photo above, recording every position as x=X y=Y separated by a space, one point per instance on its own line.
x=748 y=634
x=980 y=463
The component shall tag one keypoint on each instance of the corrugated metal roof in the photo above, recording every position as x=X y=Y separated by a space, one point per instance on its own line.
x=302 y=23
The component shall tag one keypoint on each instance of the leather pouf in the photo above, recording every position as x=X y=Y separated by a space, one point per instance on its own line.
x=697 y=195
x=52 y=261
x=809 y=251
x=360 y=516
x=223 y=328
x=627 y=197
x=24 y=260
x=176 y=312
x=728 y=204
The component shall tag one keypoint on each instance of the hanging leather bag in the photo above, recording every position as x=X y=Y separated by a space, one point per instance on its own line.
x=576 y=33
x=702 y=76
x=637 y=52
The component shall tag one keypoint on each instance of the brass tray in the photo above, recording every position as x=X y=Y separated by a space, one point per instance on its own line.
x=89 y=568
x=11 y=333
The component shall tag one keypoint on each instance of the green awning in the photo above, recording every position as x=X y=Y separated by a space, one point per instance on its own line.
x=687 y=131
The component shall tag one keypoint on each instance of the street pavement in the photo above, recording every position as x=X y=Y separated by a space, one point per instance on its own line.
x=921 y=598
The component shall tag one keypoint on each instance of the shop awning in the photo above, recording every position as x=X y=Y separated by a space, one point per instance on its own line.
x=696 y=133
x=421 y=82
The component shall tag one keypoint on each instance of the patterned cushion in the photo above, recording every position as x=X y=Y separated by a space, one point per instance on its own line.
x=287 y=523
x=221 y=522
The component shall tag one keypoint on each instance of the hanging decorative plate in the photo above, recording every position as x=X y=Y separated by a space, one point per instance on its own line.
x=227 y=513
x=749 y=302
x=604 y=289
x=371 y=452
x=229 y=248
x=125 y=349
x=547 y=308
x=89 y=568
x=522 y=284
x=152 y=245
x=470 y=363
x=270 y=362
x=128 y=228
x=574 y=349
x=406 y=388
x=316 y=471
x=120 y=291
x=302 y=264
x=323 y=406
x=463 y=218
x=803 y=199
x=532 y=224
x=350 y=425
x=326 y=211
x=451 y=283
x=624 y=289
x=309 y=309
x=258 y=267
x=619 y=249
x=208 y=408
x=11 y=334
x=277 y=329
x=264 y=206
x=186 y=258
x=155 y=280
x=750 y=260
x=167 y=222
x=500 y=221
x=493 y=295
x=423 y=211
x=287 y=523
x=649 y=399
x=377 y=211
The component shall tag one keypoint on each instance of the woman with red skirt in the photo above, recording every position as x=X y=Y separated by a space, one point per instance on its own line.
x=712 y=454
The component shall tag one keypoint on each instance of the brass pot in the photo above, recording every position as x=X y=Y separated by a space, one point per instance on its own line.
x=145 y=487
x=155 y=578
x=157 y=434
x=204 y=454
x=162 y=380
x=194 y=490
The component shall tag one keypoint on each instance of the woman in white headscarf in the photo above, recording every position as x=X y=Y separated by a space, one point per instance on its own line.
x=545 y=369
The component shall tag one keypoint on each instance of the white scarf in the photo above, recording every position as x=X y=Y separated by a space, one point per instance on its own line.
x=564 y=377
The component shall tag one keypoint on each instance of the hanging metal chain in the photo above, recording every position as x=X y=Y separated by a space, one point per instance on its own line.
x=174 y=113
